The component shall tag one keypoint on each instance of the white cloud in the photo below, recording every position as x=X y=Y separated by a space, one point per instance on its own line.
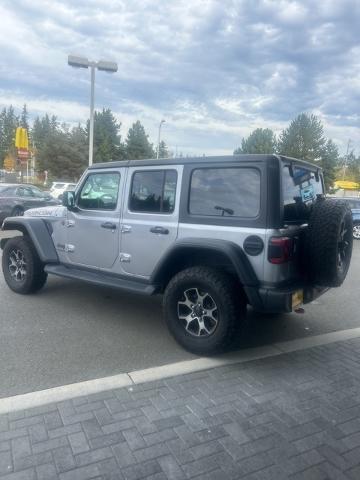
x=215 y=70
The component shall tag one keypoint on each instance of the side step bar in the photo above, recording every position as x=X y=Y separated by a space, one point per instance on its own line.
x=99 y=278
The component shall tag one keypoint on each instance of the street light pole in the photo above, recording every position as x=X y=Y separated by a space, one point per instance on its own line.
x=91 y=129
x=103 y=65
x=158 y=146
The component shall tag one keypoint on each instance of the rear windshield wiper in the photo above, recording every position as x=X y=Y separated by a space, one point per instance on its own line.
x=224 y=210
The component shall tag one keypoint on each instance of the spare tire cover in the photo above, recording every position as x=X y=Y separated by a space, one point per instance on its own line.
x=329 y=242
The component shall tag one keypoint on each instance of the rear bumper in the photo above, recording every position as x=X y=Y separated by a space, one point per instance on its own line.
x=278 y=300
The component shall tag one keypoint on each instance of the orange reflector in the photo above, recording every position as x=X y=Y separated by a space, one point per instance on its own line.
x=297 y=298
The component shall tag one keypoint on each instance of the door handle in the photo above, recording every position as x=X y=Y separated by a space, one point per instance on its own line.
x=159 y=230
x=109 y=225
x=125 y=228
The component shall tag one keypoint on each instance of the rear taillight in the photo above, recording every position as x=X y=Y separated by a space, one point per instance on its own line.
x=281 y=250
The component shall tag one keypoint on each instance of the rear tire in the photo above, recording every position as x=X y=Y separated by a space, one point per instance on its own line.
x=329 y=242
x=203 y=308
x=23 y=271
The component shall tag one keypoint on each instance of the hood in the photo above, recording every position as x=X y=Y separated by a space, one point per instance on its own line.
x=51 y=211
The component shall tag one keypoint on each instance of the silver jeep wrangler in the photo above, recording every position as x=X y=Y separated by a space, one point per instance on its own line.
x=212 y=234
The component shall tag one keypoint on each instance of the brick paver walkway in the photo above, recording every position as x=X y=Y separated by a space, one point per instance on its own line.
x=292 y=416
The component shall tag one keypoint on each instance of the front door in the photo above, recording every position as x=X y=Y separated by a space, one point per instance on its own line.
x=150 y=219
x=93 y=226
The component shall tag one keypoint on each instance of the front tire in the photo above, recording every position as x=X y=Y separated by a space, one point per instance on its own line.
x=23 y=271
x=203 y=308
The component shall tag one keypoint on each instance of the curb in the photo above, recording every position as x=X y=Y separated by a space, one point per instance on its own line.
x=66 y=392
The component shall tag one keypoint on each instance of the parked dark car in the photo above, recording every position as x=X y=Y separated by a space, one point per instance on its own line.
x=354 y=203
x=16 y=198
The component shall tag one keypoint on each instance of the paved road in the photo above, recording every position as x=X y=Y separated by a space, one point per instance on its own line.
x=71 y=331
x=289 y=417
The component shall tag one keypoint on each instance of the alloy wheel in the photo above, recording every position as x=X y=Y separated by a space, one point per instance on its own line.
x=17 y=265
x=198 y=312
x=356 y=231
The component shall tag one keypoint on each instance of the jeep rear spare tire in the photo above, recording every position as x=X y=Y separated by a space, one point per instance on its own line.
x=329 y=242
x=203 y=308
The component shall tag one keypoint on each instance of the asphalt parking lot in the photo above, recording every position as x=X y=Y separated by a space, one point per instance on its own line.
x=71 y=332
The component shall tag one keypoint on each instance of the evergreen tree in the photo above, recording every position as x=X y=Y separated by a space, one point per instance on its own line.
x=24 y=118
x=8 y=124
x=107 y=139
x=163 y=150
x=329 y=162
x=351 y=167
x=43 y=129
x=64 y=154
x=304 y=138
x=44 y=132
x=137 y=144
x=261 y=140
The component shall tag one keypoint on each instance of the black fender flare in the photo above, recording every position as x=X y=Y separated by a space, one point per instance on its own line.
x=233 y=252
x=39 y=233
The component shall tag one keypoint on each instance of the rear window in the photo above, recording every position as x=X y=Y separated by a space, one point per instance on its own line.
x=300 y=189
x=226 y=192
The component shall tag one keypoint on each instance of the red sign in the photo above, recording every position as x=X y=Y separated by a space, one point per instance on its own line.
x=23 y=153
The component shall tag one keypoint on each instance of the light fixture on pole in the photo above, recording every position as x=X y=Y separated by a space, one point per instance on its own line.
x=102 y=65
x=158 y=146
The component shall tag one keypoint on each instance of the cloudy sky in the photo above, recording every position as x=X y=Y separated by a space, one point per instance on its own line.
x=213 y=69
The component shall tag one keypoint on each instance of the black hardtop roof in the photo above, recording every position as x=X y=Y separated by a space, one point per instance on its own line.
x=198 y=160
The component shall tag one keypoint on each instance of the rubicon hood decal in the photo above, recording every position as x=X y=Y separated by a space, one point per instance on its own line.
x=57 y=211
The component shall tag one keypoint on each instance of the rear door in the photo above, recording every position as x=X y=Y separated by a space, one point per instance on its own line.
x=300 y=186
x=150 y=219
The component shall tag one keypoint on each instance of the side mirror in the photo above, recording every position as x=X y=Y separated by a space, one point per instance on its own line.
x=68 y=200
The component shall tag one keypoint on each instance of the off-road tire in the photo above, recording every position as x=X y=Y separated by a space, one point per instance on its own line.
x=230 y=305
x=35 y=276
x=329 y=242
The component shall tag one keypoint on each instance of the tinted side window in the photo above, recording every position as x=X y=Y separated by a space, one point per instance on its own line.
x=100 y=192
x=354 y=204
x=24 y=192
x=37 y=193
x=225 y=192
x=153 y=191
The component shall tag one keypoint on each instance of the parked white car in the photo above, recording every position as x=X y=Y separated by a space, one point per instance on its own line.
x=58 y=188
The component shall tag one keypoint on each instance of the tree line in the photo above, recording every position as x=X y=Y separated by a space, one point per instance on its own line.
x=304 y=138
x=63 y=151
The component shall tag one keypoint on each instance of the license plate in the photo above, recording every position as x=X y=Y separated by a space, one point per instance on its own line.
x=297 y=298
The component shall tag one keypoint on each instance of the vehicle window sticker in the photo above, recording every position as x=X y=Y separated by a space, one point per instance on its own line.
x=307 y=193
